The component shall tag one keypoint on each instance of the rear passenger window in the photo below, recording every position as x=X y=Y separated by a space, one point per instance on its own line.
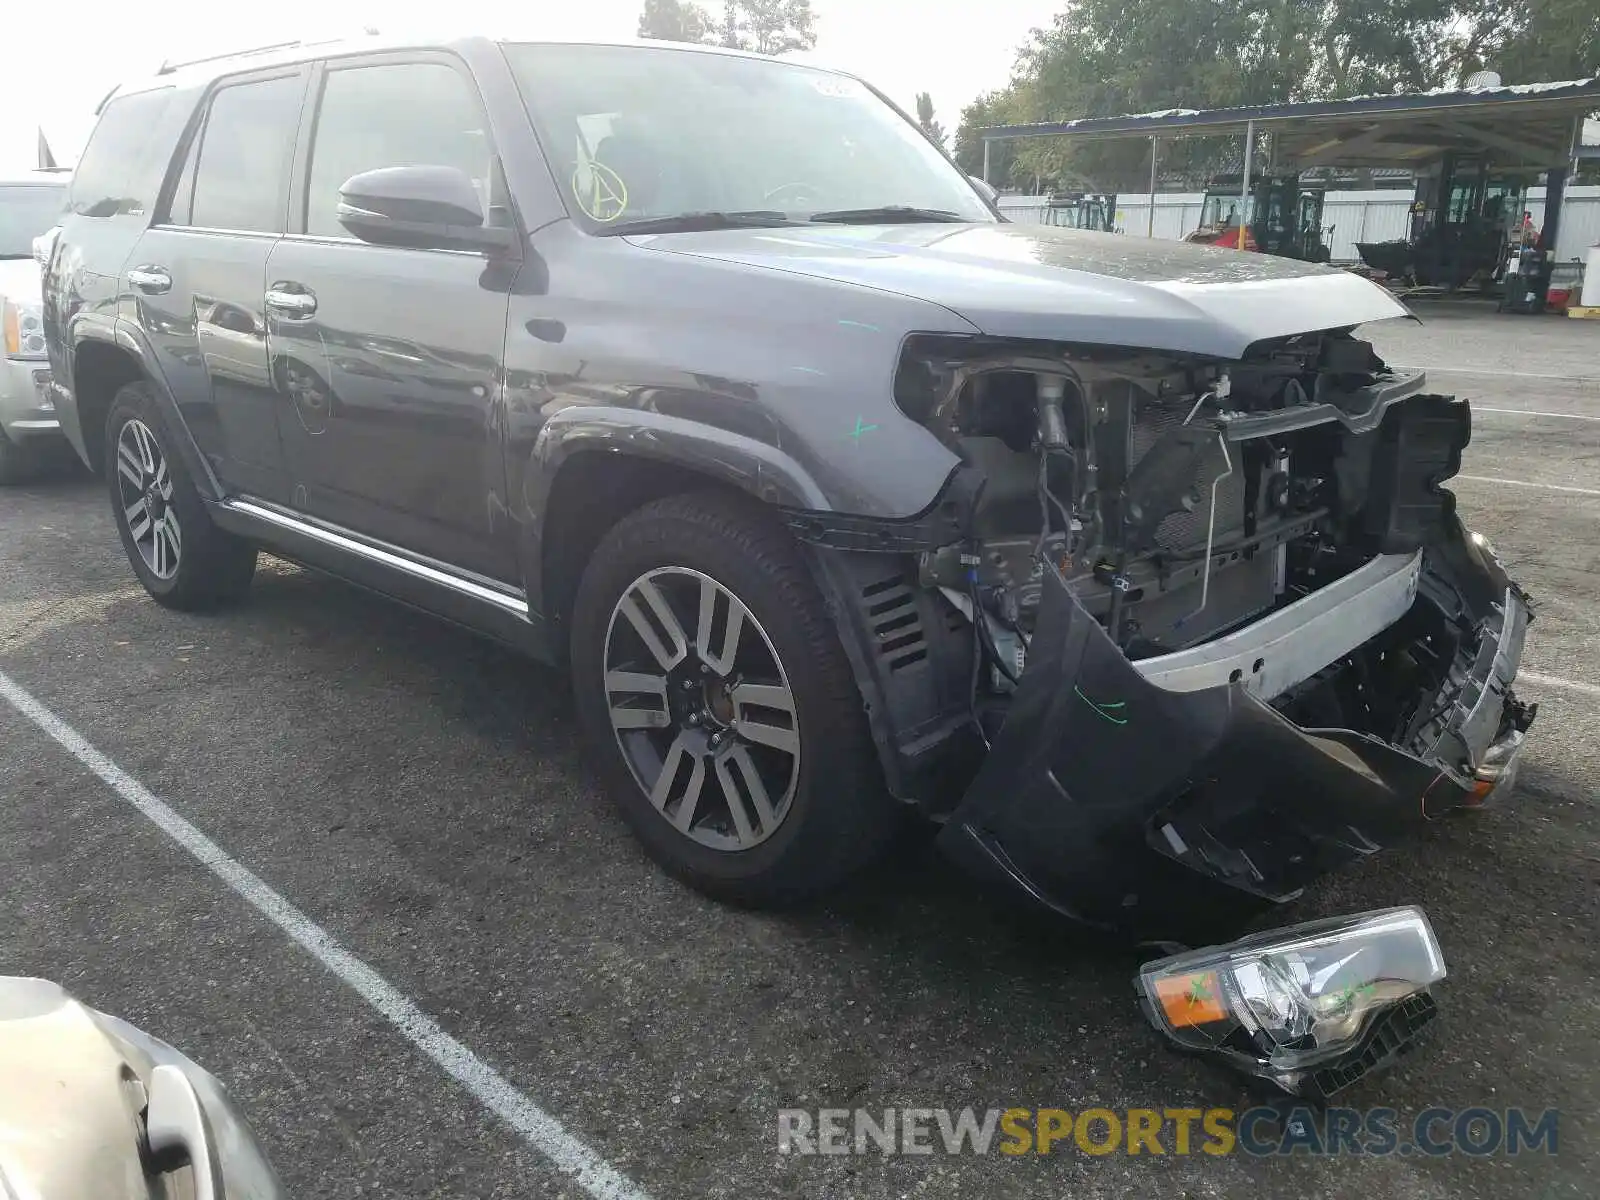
x=243 y=163
x=397 y=115
x=119 y=171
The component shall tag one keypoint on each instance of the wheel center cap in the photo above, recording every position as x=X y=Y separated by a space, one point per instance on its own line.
x=719 y=703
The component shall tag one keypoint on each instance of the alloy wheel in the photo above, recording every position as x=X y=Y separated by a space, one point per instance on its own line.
x=145 y=487
x=702 y=708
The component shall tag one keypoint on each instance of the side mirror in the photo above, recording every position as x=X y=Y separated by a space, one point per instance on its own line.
x=986 y=190
x=424 y=208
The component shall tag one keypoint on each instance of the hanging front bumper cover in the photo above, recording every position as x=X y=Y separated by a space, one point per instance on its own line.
x=1164 y=814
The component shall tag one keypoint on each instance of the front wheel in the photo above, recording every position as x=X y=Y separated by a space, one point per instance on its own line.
x=720 y=706
x=183 y=559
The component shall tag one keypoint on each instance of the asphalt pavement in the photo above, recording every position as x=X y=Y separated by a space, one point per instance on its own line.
x=420 y=795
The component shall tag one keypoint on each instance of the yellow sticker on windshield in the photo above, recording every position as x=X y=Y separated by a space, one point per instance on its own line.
x=599 y=191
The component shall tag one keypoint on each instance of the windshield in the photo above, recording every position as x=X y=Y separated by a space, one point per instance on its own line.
x=1222 y=209
x=638 y=133
x=26 y=211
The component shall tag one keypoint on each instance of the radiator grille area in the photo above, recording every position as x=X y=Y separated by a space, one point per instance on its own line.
x=1187 y=530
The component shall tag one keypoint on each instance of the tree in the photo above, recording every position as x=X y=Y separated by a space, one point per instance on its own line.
x=675 y=21
x=1545 y=39
x=989 y=109
x=932 y=128
x=1107 y=57
x=769 y=26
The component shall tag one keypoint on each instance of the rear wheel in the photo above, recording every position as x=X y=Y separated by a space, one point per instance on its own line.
x=178 y=553
x=719 y=704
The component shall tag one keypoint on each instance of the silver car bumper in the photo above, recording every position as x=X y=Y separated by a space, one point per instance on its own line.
x=89 y=1103
x=27 y=404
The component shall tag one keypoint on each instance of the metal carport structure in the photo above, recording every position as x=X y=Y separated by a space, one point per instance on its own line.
x=1523 y=127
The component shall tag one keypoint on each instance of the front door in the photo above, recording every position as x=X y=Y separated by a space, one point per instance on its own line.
x=387 y=361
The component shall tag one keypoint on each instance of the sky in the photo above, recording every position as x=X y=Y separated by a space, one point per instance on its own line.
x=57 y=64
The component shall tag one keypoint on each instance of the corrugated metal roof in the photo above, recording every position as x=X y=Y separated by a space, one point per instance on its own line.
x=1528 y=124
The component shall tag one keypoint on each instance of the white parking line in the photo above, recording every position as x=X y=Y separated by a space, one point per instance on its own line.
x=541 y=1130
x=1527 y=412
x=1549 y=487
x=1555 y=681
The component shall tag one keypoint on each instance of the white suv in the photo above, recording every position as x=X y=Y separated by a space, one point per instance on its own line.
x=29 y=208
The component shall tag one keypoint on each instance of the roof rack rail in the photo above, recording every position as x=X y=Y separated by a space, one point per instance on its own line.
x=168 y=66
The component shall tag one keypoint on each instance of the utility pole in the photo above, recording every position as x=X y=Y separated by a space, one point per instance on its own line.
x=1244 y=200
x=1150 y=218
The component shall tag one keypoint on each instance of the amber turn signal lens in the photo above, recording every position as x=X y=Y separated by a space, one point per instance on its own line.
x=1189 y=1000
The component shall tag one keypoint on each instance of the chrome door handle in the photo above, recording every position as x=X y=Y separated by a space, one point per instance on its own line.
x=153 y=281
x=291 y=304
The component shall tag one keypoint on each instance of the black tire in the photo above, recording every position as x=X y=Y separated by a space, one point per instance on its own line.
x=18 y=464
x=840 y=816
x=213 y=567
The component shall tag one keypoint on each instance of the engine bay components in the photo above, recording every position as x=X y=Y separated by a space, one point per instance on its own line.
x=1180 y=499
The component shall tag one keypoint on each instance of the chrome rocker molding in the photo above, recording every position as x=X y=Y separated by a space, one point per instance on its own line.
x=279 y=519
x=1296 y=642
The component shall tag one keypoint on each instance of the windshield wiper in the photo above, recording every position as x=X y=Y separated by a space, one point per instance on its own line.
x=699 y=222
x=8 y=257
x=888 y=214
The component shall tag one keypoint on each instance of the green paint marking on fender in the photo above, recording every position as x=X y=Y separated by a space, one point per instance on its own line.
x=860 y=429
x=1108 y=711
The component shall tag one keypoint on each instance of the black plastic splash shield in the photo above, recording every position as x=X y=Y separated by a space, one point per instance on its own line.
x=1163 y=814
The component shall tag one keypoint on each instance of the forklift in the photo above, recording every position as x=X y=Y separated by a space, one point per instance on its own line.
x=1082 y=210
x=1463 y=217
x=1282 y=217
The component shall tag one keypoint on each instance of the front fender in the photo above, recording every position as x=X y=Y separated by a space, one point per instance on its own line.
x=764 y=471
x=716 y=454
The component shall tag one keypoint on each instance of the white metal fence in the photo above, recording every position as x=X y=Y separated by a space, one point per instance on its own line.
x=1371 y=216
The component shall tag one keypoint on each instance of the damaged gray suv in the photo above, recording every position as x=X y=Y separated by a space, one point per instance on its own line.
x=708 y=377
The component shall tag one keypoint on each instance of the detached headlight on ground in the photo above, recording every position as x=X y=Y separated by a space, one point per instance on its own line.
x=1312 y=1008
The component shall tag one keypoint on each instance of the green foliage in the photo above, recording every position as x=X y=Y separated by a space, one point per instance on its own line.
x=769 y=26
x=675 y=21
x=1108 y=57
x=993 y=108
x=1547 y=39
x=764 y=26
x=931 y=127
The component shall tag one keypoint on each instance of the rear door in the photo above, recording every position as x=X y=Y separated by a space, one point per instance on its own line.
x=198 y=275
x=388 y=359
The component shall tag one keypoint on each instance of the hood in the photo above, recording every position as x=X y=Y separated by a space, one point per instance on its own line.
x=20 y=280
x=1036 y=281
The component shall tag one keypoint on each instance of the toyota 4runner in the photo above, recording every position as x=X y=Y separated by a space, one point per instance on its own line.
x=710 y=378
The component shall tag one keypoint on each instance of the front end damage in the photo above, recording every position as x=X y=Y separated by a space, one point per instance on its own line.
x=1223 y=630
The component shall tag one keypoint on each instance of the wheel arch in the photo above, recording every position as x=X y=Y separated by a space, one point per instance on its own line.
x=590 y=493
x=910 y=663
x=590 y=467
x=102 y=366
